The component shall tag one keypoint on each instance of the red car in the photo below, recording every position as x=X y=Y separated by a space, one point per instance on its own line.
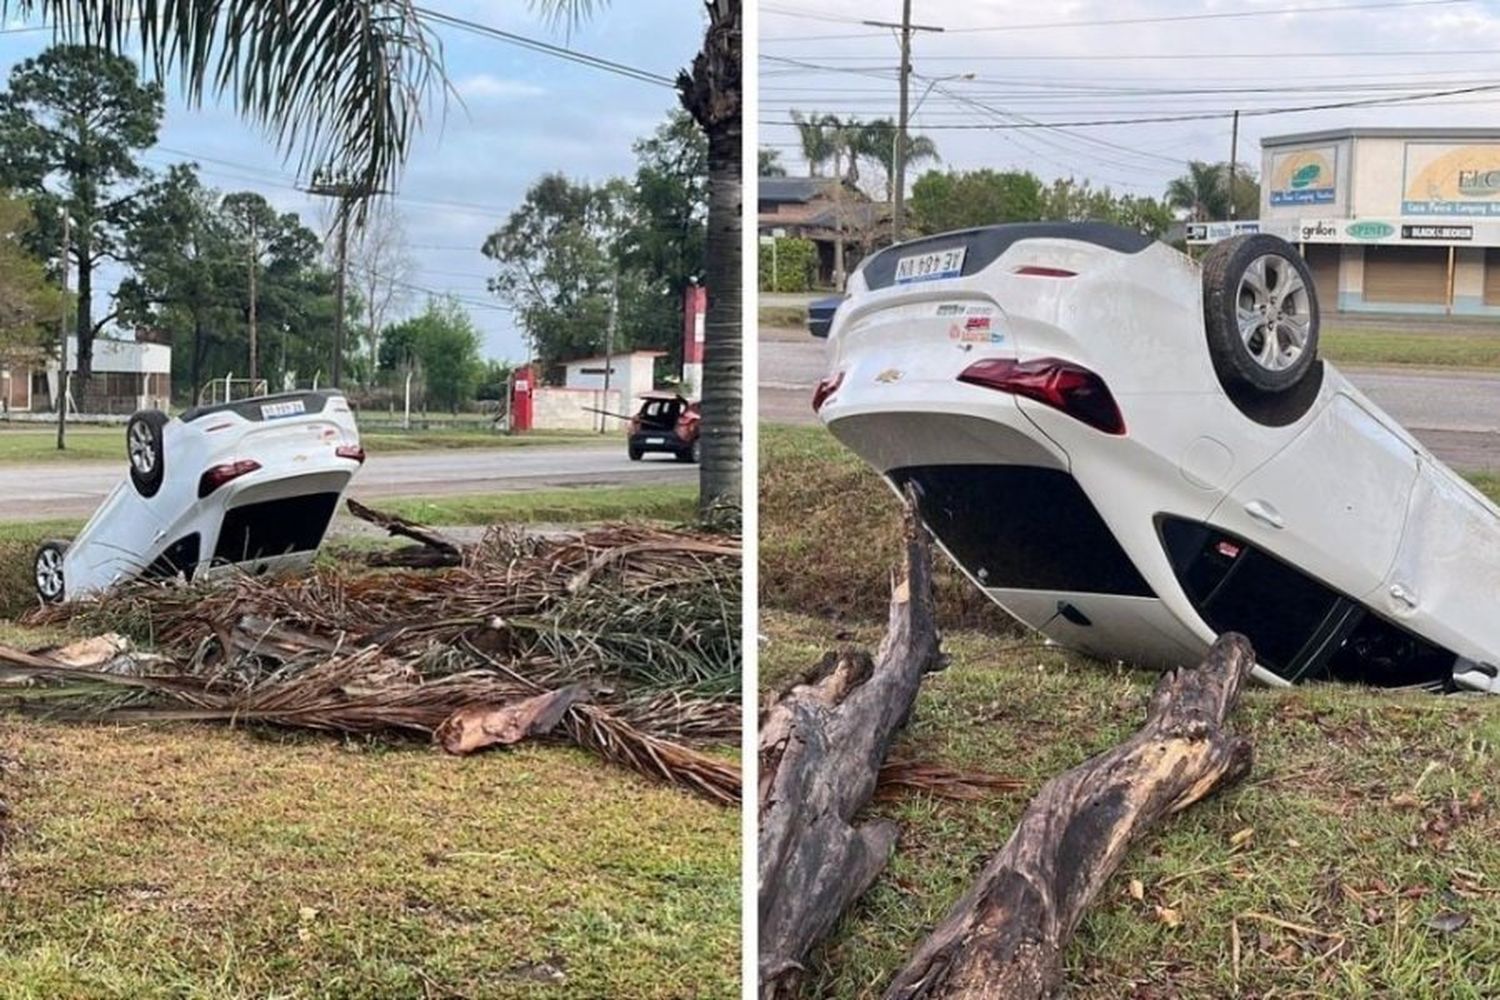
x=665 y=422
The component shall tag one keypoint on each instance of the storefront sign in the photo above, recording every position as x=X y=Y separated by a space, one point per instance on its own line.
x=1451 y=179
x=1304 y=176
x=1370 y=230
x=1213 y=232
x=1444 y=233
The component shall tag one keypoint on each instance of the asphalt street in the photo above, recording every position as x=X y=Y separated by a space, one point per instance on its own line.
x=74 y=489
x=1456 y=414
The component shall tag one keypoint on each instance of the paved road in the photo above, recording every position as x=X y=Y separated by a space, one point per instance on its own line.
x=74 y=489
x=1454 y=413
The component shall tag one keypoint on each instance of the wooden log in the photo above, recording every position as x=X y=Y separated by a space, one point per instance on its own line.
x=445 y=551
x=1006 y=936
x=822 y=744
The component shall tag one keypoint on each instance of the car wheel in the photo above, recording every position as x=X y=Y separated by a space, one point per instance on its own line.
x=1260 y=310
x=143 y=448
x=635 y=453
x=50 y=586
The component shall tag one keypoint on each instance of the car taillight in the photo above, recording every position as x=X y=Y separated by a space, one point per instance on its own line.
x=826 y=387
x=1062 y=385
x=353 y=451
x=1038 y=271
x=226 y=473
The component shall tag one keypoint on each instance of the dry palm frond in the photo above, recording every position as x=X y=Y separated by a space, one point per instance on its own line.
x=900 y=776
x=647 y=619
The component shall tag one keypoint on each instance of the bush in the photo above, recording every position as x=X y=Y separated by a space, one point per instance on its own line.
x=796 y=265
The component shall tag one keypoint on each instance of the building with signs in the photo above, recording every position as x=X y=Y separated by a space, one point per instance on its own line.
x=1389 y=220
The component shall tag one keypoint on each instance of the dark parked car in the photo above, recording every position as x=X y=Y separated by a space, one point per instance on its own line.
x=665 y=422
x=820 y=315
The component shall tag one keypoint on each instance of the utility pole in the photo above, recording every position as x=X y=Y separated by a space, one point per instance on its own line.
x=348 y=194
x=254 y=347
x=1234 y=154
x=62 y=338
x=898 y=209
x=609 y=346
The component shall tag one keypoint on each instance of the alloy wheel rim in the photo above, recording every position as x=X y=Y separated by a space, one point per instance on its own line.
x=49 y=576
x=1274 y=312
x=142 y=453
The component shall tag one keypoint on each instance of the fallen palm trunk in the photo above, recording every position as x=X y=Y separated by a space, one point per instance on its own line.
x=822 y=745
x=432 y=550
x=1006 y=936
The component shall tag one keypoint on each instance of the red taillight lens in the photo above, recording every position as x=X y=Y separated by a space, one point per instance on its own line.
x=221 y=474
x=1062 y=385
x=1038 y=271
x=353 y=451
x=826 y=388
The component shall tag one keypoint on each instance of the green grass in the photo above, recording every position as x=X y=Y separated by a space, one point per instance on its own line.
x=560 y=506
x=783 y=316
x=93 y=443
x=831 y=534
x=1369 y=814
x=198 y=862
x=1456 y=349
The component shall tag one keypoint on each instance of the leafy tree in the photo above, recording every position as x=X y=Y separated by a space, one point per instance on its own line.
x=71 y=126
x=28 y=301
x=943 y=201
x=1200 y=192
x=190 y=257
x=444 y=344
x=557 y=265
x=770 y=163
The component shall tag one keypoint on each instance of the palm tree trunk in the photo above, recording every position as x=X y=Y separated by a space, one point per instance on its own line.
x=712 y=95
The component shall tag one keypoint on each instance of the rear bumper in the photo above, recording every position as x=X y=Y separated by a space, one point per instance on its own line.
x=667 y=441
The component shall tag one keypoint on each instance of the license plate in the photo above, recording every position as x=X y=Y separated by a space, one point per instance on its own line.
x=656 y=440
x=931 y=266
x=290 y=408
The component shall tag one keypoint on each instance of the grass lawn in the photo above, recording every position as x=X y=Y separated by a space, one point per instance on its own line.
x=203 y=862
x=1461 y=348
x=206 y=862
x=1365 y=816
x=89 y=443
x=783 y=316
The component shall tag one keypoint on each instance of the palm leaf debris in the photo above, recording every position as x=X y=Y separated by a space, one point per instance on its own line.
x=623 y=639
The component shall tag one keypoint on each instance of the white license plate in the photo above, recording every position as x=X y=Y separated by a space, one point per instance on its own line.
x=931 y=266
x=656 y=440
x=290 y=408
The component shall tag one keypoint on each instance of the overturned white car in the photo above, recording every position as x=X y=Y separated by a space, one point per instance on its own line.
x=1133 y=454
x=252 y=484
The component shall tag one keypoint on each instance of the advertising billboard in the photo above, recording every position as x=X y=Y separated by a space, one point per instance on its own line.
x=1451 y=179
x=1305 y=176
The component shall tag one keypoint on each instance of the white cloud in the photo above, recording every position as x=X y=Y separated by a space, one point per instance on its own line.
x=487 y=86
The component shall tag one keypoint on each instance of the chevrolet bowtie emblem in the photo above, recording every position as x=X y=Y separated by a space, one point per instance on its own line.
x=889 y=375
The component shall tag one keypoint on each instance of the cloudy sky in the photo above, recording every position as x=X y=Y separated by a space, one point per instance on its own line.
x=1042 y=63
x=523 y=114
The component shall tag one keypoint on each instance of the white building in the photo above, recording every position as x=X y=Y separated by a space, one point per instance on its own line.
x=128 y=375
x=630 y=374
x=1389 y=220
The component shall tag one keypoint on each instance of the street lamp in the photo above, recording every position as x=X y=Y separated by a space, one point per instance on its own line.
x=898 y=158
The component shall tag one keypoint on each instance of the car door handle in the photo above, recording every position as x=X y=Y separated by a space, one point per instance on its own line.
x=1265 y=513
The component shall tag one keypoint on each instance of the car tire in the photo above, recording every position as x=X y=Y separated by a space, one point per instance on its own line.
x=145 y=452
x=1260 y=311
x=635 y=453
x=48 y=571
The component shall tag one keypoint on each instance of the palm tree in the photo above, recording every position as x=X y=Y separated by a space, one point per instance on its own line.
x=878 y=144
x=1200 y=192
x=816 y=134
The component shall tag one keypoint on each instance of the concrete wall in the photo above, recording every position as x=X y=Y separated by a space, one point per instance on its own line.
x=633 y=373
x=555 y=409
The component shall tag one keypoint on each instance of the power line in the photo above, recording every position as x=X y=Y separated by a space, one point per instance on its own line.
x=1426 y=54
x=1153 y=119
x=547 y=48
x=1154 y=19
